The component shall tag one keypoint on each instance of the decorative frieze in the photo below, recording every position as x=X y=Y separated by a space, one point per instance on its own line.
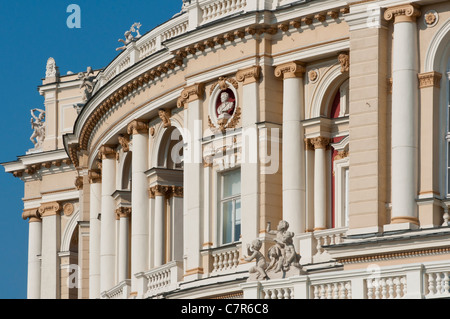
x=430 y=79
x=249 y=75
x=402 y=13
x=341 y=155
x=290 y=70
x=190 y=94
x=137 y=127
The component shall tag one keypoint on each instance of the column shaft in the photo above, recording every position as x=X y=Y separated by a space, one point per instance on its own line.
x=34 y=264
x=94 y=241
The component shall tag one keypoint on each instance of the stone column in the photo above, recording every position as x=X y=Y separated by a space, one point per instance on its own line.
x=51 y=242
x=95 y=209
x=320 y=182
x=108 y=219
x=177 y=223
x=139 y=200
x=404 y=115
x=250 y=170
x=193 y=179
x=34 y=250
x=309 y=150
x=124 y=214
x=294 y=193
x=159 y=230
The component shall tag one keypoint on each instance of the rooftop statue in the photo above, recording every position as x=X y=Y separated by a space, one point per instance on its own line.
x=38 y=136
x=129 y=35
x=284 y=261
x=87 y=84
x=51 y=69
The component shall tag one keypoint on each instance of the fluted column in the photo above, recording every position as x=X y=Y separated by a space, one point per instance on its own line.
x=294 y=193
x=34 y=250
x=124 y=254
x=404 y=114
x=108 y=219
x=320 y=182
x=139 y=200
x=94 y=233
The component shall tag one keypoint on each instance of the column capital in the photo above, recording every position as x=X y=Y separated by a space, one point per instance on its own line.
x=190 y=94
x=290 y=70
x=49 y=209
x=107 y=152
x=320 y=142
x=403 y=13
x=95 y=176
x=79 y=182
x=166 y=191
x=32 y=214
x=308 y=145
x=429 y=79
x=123 y=212
x=137 y=127
x=249 y=75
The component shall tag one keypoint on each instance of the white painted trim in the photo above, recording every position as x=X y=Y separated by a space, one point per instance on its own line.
x=436 y=48
x=68 y=232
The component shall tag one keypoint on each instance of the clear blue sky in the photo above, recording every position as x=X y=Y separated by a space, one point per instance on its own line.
x=34 y=31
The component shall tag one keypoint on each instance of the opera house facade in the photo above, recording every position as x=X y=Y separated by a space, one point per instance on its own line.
x=248 y=149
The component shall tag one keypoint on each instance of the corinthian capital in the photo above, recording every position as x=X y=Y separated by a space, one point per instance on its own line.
x=290 y=70
x=402 y=13
x=320 y=142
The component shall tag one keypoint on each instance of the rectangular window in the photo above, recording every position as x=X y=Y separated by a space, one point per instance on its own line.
x=230 y=206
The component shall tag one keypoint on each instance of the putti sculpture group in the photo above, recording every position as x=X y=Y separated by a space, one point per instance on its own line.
x=283 y=260
x=129 y=37
x=37 y=125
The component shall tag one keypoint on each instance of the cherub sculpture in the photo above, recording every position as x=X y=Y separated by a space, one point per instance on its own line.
x=276 y=252
x=129 y=35
x=38 y=128
x=255 y=254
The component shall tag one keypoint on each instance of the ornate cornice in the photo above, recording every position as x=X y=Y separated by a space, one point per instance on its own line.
x=320 y=142
x=249 y=75
x=402 y=13
x=137 y=127
x=190 y=94
x=290 y=70
x=124 y=141
x=49 y=209
x=31 y=214
x=95 y=176
x=107 y=152
x=430 y=79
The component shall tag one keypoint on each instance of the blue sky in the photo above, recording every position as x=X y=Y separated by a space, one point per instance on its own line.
x=34 y=31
